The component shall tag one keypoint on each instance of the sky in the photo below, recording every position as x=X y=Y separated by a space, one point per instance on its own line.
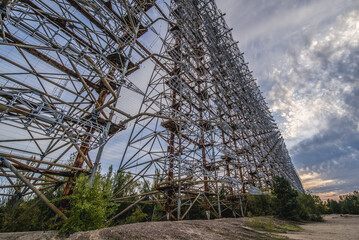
x=305 y=56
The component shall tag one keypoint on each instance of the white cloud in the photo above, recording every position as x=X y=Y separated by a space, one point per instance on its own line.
x=312 y=179
x=334 y=195
x=305 y=90
x=305 y=56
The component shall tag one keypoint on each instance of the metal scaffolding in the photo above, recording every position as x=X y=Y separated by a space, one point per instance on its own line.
x=203 y=130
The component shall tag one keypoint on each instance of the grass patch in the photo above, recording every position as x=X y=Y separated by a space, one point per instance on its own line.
x=290 y=227
x=278 y=237
x=269 y=224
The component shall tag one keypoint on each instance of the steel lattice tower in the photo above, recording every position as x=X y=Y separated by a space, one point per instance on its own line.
x=203 y=130
x=219 y=134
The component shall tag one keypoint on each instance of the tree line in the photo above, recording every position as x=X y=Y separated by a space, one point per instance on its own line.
x=347 y=204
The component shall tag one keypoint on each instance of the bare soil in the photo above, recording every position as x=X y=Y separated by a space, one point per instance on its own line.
x=48 y=235
x=334 y=227
x=226 y=228
x=195 y=229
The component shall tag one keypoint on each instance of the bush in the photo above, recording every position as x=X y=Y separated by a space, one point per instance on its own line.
x=137 y=216
x=89 y=205
x=310 y=207
x=28 y=215
x=260 y=205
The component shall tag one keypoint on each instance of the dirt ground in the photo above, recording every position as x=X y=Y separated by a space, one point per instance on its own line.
x=195 y=229
x=226 y=228
x=334 y=227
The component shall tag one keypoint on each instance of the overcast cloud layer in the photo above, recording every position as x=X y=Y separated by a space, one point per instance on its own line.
x=305 y=55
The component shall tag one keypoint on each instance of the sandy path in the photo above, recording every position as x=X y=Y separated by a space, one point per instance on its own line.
x=334 y=227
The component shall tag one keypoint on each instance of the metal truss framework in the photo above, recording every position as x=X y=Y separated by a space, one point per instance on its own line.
x=203 y=132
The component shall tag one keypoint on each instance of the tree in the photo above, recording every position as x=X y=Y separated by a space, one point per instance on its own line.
x=285 y=198
x=350 y=203
x=333 y=206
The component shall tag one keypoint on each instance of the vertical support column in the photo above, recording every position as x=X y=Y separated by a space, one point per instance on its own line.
x=171 y=144
x=84 y=150
x=203 y=150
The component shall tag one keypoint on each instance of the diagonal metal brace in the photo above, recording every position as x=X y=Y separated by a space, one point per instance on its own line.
x=32 y=187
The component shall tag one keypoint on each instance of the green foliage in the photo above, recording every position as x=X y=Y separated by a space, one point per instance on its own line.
x=285 y=199
x=347 y=204
x=291 y=204
x=158 y=212
x=27 y=213
x=333 y=207
x=263 y=224
x=260 y=205
x=31 y=214
x=350 y=203
x=285 y=202
x=90 y=205
x=310 y=207
x=197 y=211
x=122 y=179
x=137 y=216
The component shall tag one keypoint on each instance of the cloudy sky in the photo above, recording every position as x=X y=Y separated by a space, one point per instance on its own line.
x=305 y=55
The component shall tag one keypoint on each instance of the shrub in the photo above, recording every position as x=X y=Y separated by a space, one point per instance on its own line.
x=90 y=205
x=30 y=214
x=260 y=205
x=309 y=207
x=137 y=216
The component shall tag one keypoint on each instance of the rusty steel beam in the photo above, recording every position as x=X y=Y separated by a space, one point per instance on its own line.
x=32 y=187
